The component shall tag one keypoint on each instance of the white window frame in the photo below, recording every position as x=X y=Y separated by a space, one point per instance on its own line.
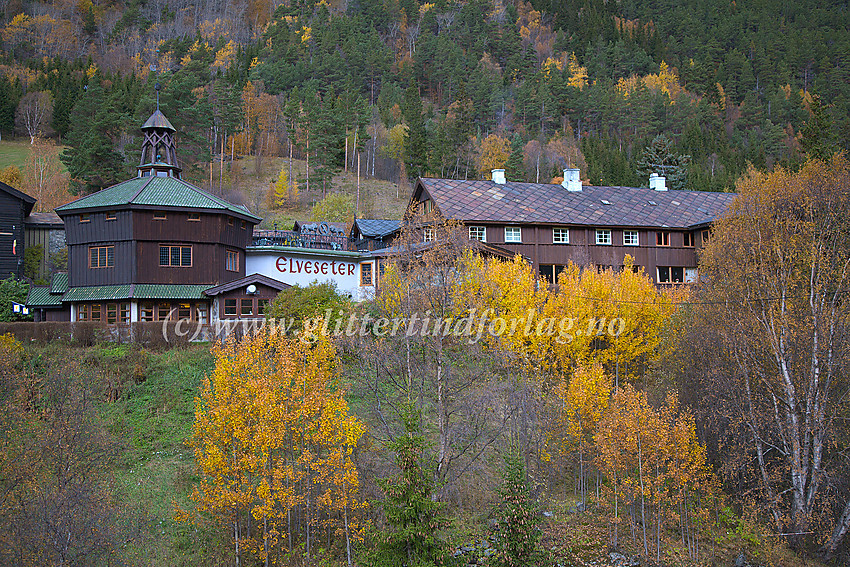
x=480 y=233
x=427 y=234
x=564 y=236
x=603 y=236
x=630 y=241
x=515 y=232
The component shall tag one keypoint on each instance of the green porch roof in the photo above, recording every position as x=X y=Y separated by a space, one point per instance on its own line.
x=40 y=296
x=59 y=283
x=135 y=291
x=155 y=192
x=169 y=291
x=99 y=293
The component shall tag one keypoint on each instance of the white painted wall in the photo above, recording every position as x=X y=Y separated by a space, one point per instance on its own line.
x=293 y=266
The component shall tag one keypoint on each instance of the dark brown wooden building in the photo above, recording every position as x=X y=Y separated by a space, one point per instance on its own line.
x=15 y=206
x=554 y=224
x=147 y=248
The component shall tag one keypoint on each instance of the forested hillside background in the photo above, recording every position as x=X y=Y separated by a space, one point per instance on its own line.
x=446 y=89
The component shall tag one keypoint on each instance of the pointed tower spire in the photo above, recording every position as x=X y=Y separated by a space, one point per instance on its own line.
x=159 y=153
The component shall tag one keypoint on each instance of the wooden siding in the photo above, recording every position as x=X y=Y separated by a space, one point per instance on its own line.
x=208 y=265
x=264 y=292
x=12 y=212
x=98 y=229
x=582 y=249
x=123 y=272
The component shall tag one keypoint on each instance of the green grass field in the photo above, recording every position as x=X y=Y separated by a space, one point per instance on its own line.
x=14 y=153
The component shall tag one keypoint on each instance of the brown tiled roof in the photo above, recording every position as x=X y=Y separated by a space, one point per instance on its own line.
x=485 y=201
x=43 y=219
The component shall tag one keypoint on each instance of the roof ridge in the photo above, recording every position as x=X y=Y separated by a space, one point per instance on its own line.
x=142 y=188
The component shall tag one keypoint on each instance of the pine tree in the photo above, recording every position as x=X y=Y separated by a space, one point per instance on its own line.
x=518 y=533
x=818 y=137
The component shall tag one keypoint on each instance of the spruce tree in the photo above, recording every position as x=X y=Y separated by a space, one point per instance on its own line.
x=416 y=138
x=414 y=518
x=518 y=532
x=514 y=167
x=659 y=157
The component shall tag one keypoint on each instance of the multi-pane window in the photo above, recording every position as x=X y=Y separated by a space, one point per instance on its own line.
x=184 y=311
x=231 y=261
x=95 y=312
x=630 y=238
x=262 y=306
x=662 y=238
x=478 y=233
x=230 y=307
x=513 y=234
x=111 y=312
x=689 y=239
x=170 y=255
x=603 y=236
x=427 y=234
x=671 y=274
x=163 y=311
x=83 y=313
x=124 y=313
x=146 y=312
x=366 y=273
x=246 y=307
x=560 y=236
x=427 y=206
x=201 y=313
x=101 y=256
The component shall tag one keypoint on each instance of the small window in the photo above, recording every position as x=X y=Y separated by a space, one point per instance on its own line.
x=163 y=311
x=671 y=274
x=706 y=234
x=631 y=238
x=478 y=233
x=244 y=225
x=662 y=239
x=159 y=215
x=111 y=313
x=95 y=312
x=85 y=218
x=175 y=256
x=101 y=256
x=427 y=234
x=124 y=313
x=603 y=236
x=194 y=216
x=229 y=221
x=427 y=206
x=230 y=307
x=246 y=307
x=231 y=261
x=689 y=240
x=366 y=273
x=560 y=236
x=111 y=215
x=146 y=312
x=513 y=234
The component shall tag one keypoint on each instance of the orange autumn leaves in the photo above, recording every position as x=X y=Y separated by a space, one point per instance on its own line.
x=273 y=440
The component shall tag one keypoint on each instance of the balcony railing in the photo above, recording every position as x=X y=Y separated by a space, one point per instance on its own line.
x=305 y=239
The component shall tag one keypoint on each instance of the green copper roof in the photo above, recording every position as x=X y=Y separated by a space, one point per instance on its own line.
x=158 y=120
x=155 y=192
x=99 y=293
x=40 y=296
x=59 y=283
x=169 y=291
x=135 y=291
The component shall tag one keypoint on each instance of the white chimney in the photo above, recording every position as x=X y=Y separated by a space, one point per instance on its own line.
x=572 y=180
x=498 y=176
x=657 y=182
